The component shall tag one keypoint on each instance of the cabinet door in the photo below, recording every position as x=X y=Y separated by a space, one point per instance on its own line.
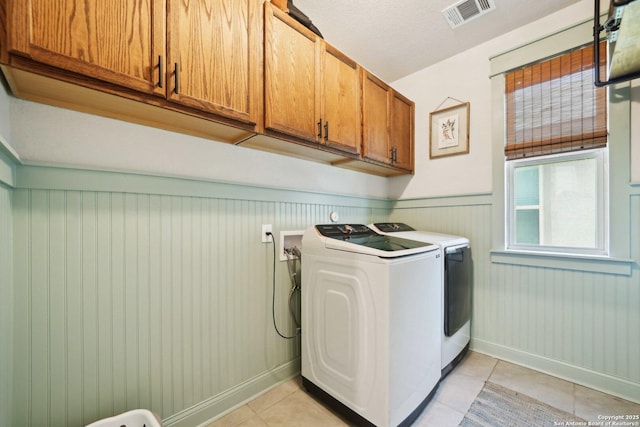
x=215 y=56
x=290 y=77
x=375 y=116
x=118 y=41
x=401 y=131
x=340 y=100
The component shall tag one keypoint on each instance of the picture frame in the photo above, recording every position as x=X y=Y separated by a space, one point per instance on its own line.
x=449 y=131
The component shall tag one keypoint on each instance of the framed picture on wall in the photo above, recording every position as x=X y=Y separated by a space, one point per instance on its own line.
x=449 y=131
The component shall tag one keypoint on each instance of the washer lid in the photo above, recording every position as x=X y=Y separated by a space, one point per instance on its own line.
x=360 y=238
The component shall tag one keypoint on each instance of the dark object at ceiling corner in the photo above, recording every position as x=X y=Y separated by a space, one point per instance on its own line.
x=296 y=14
x=597 y=29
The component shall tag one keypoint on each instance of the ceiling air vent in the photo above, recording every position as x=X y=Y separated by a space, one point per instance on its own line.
x=466 y=10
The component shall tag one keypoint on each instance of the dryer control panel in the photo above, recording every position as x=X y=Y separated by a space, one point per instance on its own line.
x=392 y=227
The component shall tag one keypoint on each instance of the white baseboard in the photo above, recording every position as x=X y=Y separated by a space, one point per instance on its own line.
x=216 y=406
x=596 y=380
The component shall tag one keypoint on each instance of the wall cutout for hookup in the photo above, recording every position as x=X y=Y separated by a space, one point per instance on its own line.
x=288 y=241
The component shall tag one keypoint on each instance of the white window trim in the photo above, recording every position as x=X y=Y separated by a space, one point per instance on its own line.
x=602 y=244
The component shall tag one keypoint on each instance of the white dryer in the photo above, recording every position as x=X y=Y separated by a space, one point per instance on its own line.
x=366 y=299
x=456 y=266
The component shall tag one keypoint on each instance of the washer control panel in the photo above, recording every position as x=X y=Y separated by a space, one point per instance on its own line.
x=345 y=231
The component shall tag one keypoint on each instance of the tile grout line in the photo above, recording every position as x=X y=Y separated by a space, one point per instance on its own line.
x=492 y=370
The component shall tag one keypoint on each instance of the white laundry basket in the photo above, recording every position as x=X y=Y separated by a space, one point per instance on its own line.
x=134 y=418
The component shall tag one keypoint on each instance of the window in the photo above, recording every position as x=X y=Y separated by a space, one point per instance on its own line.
x=557 y=203
x=556 y=137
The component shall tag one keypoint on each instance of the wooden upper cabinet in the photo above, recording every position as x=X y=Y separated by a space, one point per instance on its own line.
x=340 y=100
x=312 y=90
x=224 y=69
x=290 y=77
x=118 y=41
x=388 y=124
x=375 y=119
x=214 y=50
x=401 y=131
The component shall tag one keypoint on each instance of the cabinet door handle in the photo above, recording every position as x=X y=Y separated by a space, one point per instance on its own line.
x=319 y=128
x=159 y=71
x=394 y=154
x=177 y=78
x=326 y=131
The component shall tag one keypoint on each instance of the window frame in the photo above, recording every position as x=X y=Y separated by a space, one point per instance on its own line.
x=602 y=214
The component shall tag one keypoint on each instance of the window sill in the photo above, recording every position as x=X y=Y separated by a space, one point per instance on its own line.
x=589 y=263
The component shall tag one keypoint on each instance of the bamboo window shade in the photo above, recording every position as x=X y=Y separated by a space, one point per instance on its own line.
x=554 y=107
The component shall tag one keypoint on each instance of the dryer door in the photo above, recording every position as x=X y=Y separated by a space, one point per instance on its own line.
x=457 y=289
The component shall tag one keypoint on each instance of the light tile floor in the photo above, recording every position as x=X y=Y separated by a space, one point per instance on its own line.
x=289 y=405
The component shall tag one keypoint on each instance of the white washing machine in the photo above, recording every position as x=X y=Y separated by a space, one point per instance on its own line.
x=456 y=267
x=365 y=301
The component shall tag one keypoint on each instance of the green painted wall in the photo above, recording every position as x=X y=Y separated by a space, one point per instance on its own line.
x=580 y=325
x=159 y=296
x=6 y=304
x=144 y=299
x=7 y=179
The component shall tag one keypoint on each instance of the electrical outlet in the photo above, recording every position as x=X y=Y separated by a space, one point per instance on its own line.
x=266 y=228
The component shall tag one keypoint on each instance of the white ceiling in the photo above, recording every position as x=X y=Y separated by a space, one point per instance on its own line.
x=395 y=38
